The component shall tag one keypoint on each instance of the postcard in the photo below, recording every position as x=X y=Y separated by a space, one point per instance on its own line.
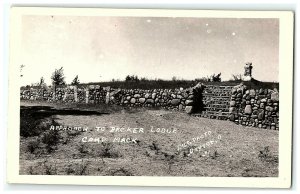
x=150 y=97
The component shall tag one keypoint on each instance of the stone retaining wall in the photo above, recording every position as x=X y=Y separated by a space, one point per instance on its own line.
x=171 y=99
x=257 y=108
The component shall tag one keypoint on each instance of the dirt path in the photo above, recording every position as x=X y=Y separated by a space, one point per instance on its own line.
x=227 y=149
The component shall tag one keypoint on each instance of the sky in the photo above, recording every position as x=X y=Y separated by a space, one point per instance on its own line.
x=98 y=48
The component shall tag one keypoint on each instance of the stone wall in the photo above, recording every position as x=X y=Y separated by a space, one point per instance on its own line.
x=175 y=99
x=171 y=99
x=256 y=108
x=249 y=107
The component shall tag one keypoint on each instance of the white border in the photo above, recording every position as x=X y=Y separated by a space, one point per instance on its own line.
x=286 y=92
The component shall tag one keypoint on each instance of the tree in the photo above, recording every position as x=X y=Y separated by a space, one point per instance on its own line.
x=75 y=81
x=216 y=78
x=128 y=78
x=58 y=77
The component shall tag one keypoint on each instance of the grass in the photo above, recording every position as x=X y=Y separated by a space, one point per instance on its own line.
x=169 y=84
x=241 y=151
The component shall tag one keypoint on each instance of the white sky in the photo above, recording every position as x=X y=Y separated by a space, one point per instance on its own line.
x=103 y=48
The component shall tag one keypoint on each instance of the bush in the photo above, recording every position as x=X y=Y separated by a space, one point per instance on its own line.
x=50 y=139
x=33 y=145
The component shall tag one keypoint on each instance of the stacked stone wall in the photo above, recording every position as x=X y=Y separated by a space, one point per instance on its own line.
x=249 y=107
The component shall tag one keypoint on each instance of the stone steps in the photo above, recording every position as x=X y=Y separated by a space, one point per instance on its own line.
x=216 y=102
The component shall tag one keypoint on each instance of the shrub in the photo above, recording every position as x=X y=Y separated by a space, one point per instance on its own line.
x=50 y=139
x=237 y=77
x=107 y=151
x=33 y=145
x=49 y=169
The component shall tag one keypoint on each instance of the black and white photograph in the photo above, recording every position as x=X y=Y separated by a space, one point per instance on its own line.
x=152 y=94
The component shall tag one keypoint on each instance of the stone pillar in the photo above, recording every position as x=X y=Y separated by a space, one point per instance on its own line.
x=87 y=95
x=248 y=72
x=75 y=94
x=65 y=93
x=107 y=97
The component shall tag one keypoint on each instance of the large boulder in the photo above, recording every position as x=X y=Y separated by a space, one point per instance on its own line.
x=189 y=102
x=232 y=103
x=153 y=95
x=189 y=109
x=137 y=95
x=147 y=95
x=252 y=92
x=175 y=102
x=142 y=100
x=248 y=109
x=275 y=96
x=149 y=101
x=180 y=107
x=133 y=100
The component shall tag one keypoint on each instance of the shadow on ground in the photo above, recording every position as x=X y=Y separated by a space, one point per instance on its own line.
x=40 y=112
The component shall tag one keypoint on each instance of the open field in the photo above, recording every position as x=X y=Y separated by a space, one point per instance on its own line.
x=220 y=148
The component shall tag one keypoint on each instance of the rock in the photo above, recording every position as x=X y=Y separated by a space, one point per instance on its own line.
x=180 y=107
x=269 y=108
x=149 y=101
x=147 y=95
x=175 y=102
x=254 y=116
x=128 y=97
x=233 y=91
x=153 y=95
x=142 y=100
x=179 y=96
x=191 y=97
x=232 y=103
x=252 y=93
x=137 y=96
x=261 y=91
x=262 y=105
x=248 y=109
x=232 y=110
x=263 y=100
x=275 y=96
x=261 y=115
x=173 y=95
x=240 y=88
x=189 y=109
x=189 y=102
